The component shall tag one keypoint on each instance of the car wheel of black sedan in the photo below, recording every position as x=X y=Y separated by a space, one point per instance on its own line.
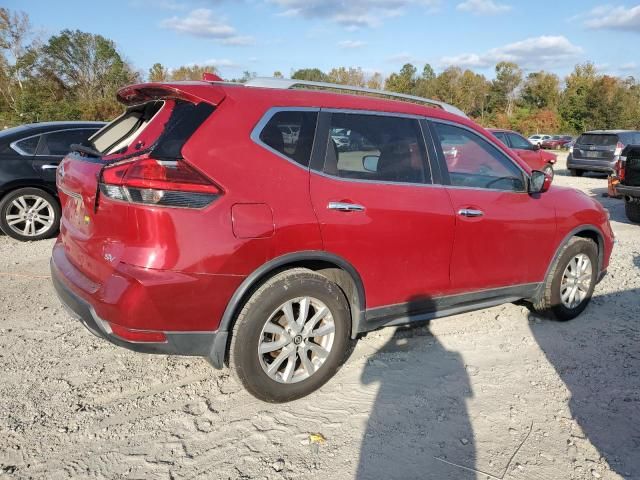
x=29 y=214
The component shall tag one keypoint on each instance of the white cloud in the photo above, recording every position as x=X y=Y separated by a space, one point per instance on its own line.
x=352 y=14
x=614 y=18
x=201 y=22
x=218 y=63
x=483 y=7
x=351 y=44
x=534 y=52
x=625 y=67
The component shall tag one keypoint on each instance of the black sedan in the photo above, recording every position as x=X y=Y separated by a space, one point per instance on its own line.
x=29 y=156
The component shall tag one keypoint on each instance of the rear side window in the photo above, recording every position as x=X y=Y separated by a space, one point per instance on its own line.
x=291 y=134
x=602 y=140
x=58 y=143
x=27 y=146
x=501 y=136
x=475 y=163
x=376 y=147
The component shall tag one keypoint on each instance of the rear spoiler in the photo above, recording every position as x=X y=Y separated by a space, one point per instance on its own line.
x=193 y=92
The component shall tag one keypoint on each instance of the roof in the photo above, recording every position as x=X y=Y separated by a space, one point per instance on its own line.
x=40 y=127
x=611 y=132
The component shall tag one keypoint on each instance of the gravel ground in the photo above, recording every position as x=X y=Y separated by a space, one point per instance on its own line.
x=494 y=394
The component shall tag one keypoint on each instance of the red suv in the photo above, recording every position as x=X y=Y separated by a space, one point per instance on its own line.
x=191 y=225
x=536 y=158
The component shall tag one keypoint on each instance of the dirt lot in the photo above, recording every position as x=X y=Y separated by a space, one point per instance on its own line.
x=492 y=394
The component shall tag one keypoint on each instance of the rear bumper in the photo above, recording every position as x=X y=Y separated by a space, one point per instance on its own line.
x=607 y=166
x=178 y=343
x=628 y=191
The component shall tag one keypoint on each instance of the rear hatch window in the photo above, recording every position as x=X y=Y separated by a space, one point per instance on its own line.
x=606 y=140
x=596 y=146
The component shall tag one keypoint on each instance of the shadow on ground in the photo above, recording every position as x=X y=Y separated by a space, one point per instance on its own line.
x=420 y=414
x=597 y=356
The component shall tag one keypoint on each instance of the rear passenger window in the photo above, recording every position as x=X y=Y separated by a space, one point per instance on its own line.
x=28 y=145
x=473 y=162
x=376 y=147
x=291 y=133
x=59 y=143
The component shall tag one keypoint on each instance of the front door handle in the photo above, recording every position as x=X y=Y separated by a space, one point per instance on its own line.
x=470 y=212
x=49 y=167
x=345 y=207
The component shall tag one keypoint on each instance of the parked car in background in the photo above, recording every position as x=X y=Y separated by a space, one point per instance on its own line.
x=538 y=138
x=29 y=156
x=599 y=150
x=556 y=142
x=628 y=173
x=536 y=158
x=215 y=240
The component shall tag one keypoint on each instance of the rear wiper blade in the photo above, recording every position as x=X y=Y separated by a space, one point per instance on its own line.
x=76 y=147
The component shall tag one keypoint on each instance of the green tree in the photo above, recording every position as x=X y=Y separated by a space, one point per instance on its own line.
x=191 y=72
x=541 y=90
x=278 y=74
x=89 y=68
x=310 y=74
x=404 y=81
x=504 y=87
x=347 y=76
x=574 y=101
x=158 y=73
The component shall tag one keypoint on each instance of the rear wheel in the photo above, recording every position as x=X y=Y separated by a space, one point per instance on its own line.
x=576 y=173
x=569 y=285
x=632 y=209
x=548 y=169
x=29 y=214
x=291 y=336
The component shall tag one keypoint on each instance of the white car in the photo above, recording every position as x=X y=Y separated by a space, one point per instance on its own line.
x=539 y=138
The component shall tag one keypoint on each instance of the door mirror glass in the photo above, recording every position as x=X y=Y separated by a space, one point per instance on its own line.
x=370 y=163
x=539 y=182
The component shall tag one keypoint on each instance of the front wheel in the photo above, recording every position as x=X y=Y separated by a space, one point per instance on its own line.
x=291 y=336
x=567 y=290
x=548 y=169
x=576 y=173
x=29 y=214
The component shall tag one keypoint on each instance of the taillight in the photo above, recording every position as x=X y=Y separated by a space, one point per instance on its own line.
x=620 y=167
x=571 y=149
x=619 y=148
x=149 y=181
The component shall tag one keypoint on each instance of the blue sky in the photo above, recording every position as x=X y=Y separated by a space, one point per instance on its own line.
x=377 y=35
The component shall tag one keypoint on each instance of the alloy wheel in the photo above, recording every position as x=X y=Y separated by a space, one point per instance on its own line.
x=30 y=215
x=296 y=340
x=576 y=281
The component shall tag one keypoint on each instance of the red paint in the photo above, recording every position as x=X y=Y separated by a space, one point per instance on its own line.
x=535 y=159
x=175 y=269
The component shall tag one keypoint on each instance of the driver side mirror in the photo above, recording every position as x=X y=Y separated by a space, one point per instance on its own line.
x=370 y=163
x=539 y=182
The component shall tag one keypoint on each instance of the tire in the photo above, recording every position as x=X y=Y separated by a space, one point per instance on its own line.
x=548 y=169
x=263 y=318
x=576 y=173
x=550 y=302
x=632 y=210
x=19 y=220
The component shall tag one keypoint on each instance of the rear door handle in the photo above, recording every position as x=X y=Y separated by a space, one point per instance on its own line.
x=470 y=212
x=49 y=167
x=345 y=207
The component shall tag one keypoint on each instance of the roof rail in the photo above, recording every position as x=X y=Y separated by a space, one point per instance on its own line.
x=287 y=83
